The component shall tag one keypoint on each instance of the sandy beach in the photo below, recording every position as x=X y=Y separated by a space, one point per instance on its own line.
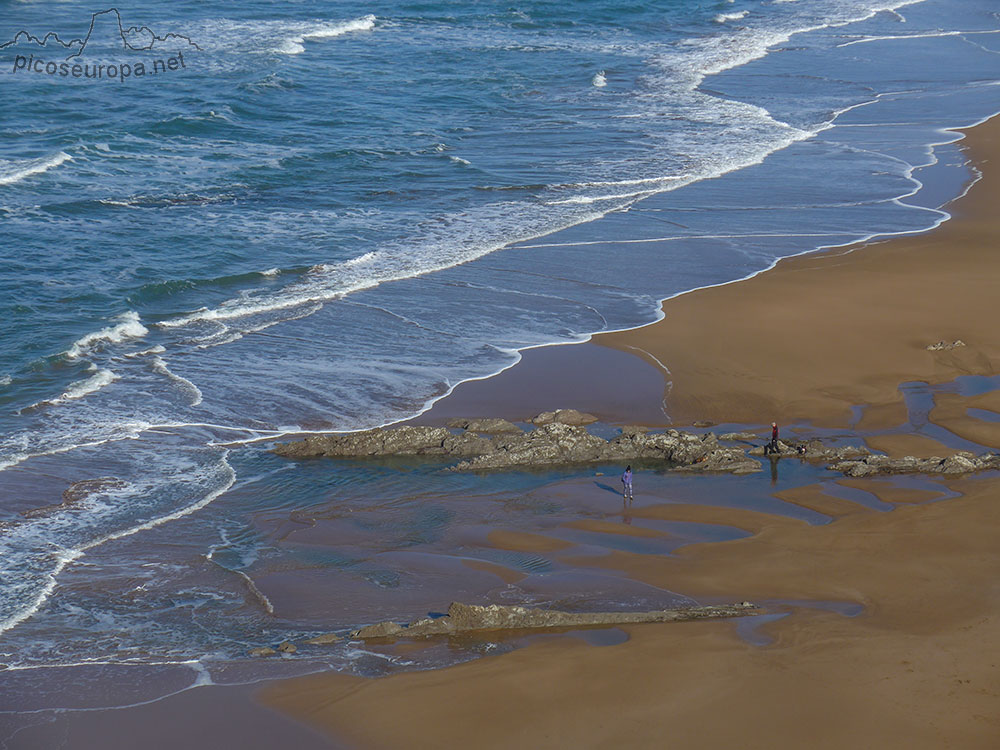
x=805 y=343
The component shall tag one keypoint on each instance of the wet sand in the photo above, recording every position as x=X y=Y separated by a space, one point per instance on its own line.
x=804 y=343
x=548 y=378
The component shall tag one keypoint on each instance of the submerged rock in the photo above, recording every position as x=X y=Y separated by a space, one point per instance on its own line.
x=263 y=651
x=464 y=618
x=323 y=640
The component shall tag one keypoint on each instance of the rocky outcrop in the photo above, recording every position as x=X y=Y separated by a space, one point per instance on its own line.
x=465 y=618
x=944 y=345
x=570 y=417
x=485 y=426
x=960 y=463
x=548 y=445
x=398 y=441
x=811 y=450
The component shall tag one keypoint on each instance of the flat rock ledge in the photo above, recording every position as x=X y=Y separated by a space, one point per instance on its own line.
x=550 y=444
x=465 y=618
x=960 y=463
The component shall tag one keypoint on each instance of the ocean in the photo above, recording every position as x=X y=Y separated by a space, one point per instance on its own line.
x=326 y=215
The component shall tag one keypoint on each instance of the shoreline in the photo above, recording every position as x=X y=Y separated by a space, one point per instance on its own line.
x=500 y=395
x=908 y=671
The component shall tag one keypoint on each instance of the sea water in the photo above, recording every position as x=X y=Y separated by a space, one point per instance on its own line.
x=324 y=216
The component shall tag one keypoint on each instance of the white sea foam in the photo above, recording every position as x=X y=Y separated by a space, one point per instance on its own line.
x=17 y=449
x=293 y=45
x=600 y=79
x=158 y=349
x=735 y=16
x=271 y=272
x=927 y=35
x=83 y=388
x=127 y=327
x=15 y=171
x=193 y=391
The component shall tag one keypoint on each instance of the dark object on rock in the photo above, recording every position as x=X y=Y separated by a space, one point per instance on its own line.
x=960 y=463
x=570 y=417
x=486 y=426
x=264 y=651
x=287 y=647
x=464 y=618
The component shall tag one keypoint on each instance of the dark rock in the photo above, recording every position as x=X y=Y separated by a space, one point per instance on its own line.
x=75 y=493
x=462 y=618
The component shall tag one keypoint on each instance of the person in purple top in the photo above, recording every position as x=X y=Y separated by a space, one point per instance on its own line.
x=627 y=481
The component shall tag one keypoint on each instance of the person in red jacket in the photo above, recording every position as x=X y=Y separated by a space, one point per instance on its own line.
x=774 y=438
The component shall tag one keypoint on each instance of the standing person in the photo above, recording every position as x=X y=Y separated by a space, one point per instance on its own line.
x=774 y=437
x=627 y=481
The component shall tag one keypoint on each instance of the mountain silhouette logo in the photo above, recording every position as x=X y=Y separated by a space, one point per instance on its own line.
x=132 y=38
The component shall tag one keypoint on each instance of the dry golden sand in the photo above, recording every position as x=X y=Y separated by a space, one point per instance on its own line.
x=919 y=668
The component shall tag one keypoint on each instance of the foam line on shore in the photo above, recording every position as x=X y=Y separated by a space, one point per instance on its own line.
x=517 y=353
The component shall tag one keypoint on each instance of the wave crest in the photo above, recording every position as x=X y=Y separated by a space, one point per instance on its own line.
x=129 y=327
x=12 y=172
x=293 y=45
